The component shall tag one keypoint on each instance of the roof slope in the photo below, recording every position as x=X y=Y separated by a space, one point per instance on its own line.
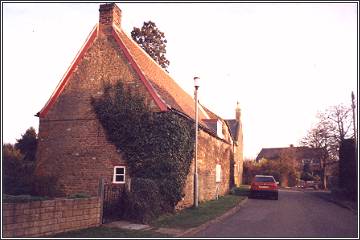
x=173 y=95
x=164 y=90
x=298 y=153
x=234 y=127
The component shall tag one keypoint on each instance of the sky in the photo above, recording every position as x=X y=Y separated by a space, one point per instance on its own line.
x=283 y=62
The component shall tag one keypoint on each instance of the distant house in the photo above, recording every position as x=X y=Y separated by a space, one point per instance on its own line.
x=301 y=155
x=73 y=146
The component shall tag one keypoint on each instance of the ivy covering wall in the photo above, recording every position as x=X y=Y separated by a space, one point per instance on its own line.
x=158 y=149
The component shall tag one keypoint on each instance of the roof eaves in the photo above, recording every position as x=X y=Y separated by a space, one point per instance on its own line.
x=202 y=126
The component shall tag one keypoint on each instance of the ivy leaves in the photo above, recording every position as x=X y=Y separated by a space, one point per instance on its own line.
x=156 y=146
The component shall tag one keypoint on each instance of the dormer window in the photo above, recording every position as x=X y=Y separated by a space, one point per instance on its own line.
x=219 y=129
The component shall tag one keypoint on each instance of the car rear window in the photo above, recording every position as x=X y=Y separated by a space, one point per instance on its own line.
x=264 y=179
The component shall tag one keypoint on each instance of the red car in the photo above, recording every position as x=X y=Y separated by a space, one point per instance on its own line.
x=264 y=186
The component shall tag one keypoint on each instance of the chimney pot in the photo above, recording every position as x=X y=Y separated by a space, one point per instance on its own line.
x=238 y=112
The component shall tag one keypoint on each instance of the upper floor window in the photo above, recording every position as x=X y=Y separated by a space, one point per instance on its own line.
x=119 y=174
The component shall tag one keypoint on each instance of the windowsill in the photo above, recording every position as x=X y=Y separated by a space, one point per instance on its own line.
x=118 y=182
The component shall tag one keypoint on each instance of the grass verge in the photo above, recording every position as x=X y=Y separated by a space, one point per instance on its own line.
x=107 y=232
x=21 y=198
x=243 y=190
x=193 y=217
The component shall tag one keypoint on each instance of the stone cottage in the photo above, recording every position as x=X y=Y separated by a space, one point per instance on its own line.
x=72 y=143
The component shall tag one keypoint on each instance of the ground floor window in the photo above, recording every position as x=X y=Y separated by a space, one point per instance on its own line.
x=119 y=174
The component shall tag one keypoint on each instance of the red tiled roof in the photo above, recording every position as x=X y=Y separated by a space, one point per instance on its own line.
x=165 y=86
x=165 y=91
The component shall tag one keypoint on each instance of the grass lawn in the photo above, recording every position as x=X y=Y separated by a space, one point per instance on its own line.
x=193 y=217
x=187 y=218
x=107 y=232
x=243 y=190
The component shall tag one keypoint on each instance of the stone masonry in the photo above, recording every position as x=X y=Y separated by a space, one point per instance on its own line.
x=72 y=143
x=48 y=217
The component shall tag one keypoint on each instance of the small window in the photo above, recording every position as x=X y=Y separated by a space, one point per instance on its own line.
x=119 y=174
x=218 y=173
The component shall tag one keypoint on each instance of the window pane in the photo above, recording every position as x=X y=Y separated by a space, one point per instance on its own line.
x=264 y=179
x=120 y=170
x=119 y=178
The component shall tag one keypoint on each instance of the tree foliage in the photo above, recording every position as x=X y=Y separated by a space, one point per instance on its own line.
x=17 y=171
x=156 y=146
x=306 y=173
x=19 y=164
x=153 y=41
x=283 y=170
x=27 y=144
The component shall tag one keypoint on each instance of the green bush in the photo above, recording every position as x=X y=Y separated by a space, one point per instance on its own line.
x=143 y=203
x=17 y=172
x=79 y=195
x=22 y=198
x=240 y=191
x=44 y=186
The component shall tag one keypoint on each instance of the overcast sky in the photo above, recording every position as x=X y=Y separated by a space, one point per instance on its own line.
x=282 y=61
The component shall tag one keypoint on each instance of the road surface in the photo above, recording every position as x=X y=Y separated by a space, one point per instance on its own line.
x=295 y=214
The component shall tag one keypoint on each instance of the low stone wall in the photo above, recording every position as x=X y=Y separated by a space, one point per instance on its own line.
x=41 y=218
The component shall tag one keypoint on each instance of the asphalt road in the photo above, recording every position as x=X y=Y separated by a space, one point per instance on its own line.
x=295 y=214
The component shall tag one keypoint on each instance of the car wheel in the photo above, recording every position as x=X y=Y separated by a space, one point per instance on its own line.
x=276 y=196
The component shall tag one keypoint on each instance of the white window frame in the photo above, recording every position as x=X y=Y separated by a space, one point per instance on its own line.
x=218 y=173
x=114 y=175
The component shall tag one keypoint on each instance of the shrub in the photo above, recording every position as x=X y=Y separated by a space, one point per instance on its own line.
x=44 y=186
x=79 y=195
x=22 y=198
x=17 y=172
x=240 y=191
x=143 y=202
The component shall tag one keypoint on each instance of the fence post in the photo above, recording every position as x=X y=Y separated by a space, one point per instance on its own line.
x=101 y=196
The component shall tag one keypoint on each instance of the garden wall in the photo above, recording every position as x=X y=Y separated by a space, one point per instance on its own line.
x=48 y=217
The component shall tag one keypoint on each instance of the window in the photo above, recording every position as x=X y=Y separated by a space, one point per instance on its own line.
x=264 y=179
x=119 y=174
x=218 y=173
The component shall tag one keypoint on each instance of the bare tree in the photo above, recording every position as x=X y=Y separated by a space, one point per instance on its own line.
x=339 y=117
x=334 y=125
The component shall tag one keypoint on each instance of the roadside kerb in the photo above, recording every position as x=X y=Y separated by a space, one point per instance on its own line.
x=229 y=213
x=338 y=202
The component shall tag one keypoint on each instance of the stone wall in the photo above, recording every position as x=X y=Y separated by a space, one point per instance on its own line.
x=348 y=179
x=41 y=218
x=72 y=143
x=211 y=151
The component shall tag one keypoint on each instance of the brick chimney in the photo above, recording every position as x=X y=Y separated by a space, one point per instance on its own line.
x=238 y=112
x=110 y=14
